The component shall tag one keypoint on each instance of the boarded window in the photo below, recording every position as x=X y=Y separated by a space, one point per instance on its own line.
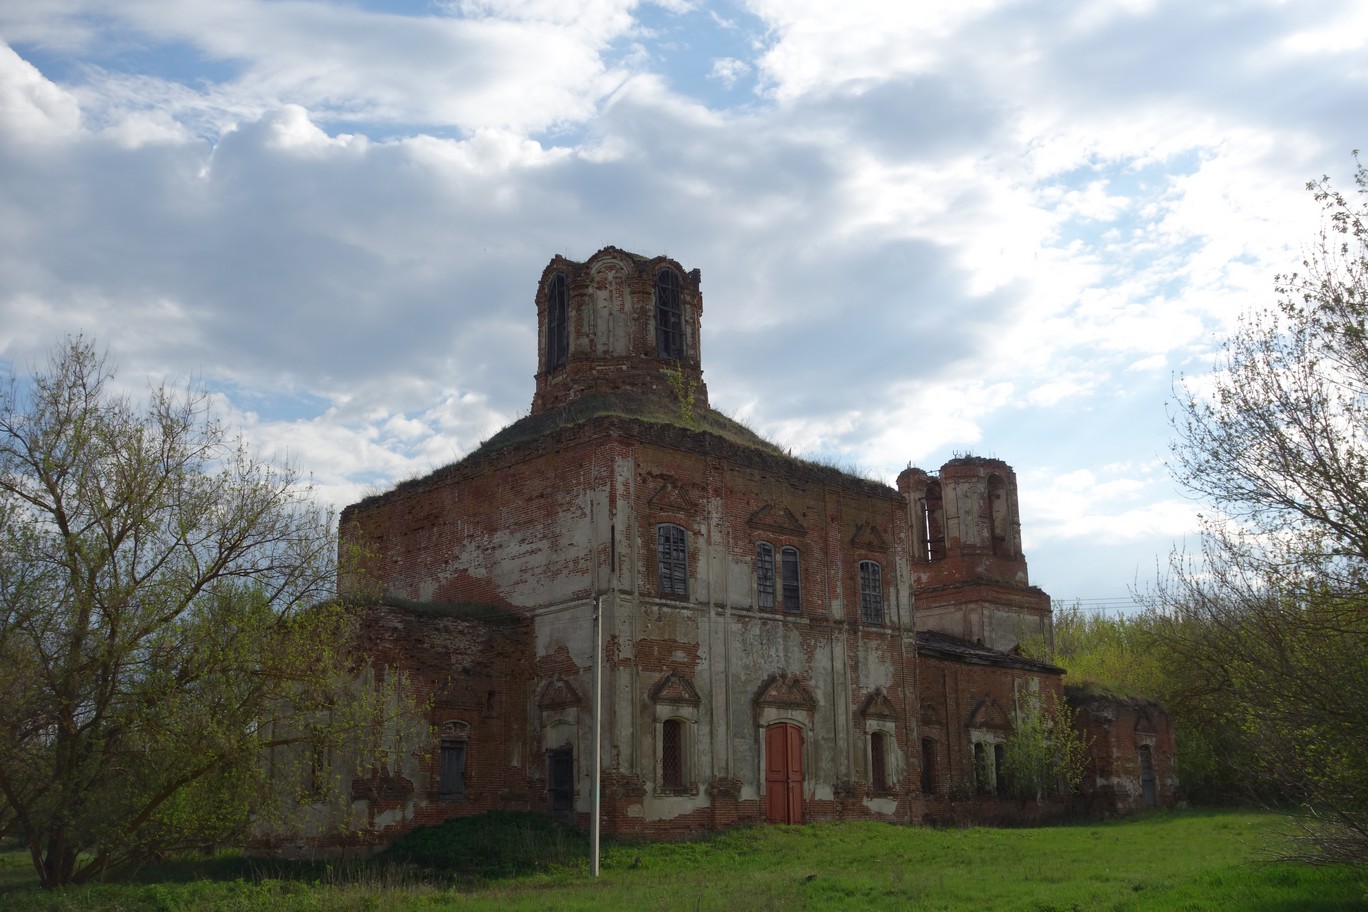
x=792 y=592
x=928 y=767
x=672 y=755
x=871 y=593
x=672 y=559
x=669 y=315
x=878 y=762
x=557 y=324
x=451 y=776
x=764 y=575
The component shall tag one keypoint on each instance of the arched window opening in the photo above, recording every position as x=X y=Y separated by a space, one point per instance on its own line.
x=878 y=762
x=871 y=592
x=997 y=516
x=669 y=308
x=672 y=755
x=933 y=522
x=792 y=589
x=557 y=322
x=672 y=559
x=764 y=574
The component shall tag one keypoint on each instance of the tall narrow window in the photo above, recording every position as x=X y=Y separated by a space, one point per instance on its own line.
x=871 y=592
x=1000 y=770
x=878 y=762
x=672 y=755
x=933 y=522
x=928 y=767
x=792 y=592
x=997 y=516
x=983 y=769
x=451 y=775
x=764 y=574
x=672 y=558
x=669 y=315
x=557 y=324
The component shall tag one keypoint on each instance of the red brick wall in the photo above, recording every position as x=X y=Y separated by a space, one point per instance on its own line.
x=950 y=693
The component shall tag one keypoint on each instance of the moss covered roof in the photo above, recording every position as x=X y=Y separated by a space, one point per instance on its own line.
x=650 y=416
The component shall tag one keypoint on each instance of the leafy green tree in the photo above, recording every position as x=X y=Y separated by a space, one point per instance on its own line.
x=1271 y=619
x=1046 y=754
x=1132 y=655
x=162 y=608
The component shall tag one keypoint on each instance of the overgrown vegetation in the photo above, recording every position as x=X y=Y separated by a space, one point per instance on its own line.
x=1128 y=655
x=161 y=605
x=1190 y=861
x=1272 y=619
x=685 y=390
x=1046 y=754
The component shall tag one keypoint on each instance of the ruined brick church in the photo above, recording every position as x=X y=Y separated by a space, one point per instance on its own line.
x=781 y=641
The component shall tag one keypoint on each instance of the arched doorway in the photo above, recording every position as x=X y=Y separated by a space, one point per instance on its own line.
x=783 y=773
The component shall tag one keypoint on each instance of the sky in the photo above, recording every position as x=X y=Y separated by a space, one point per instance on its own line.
x=994 y=227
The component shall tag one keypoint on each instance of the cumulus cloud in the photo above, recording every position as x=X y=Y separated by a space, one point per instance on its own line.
x=930 y=228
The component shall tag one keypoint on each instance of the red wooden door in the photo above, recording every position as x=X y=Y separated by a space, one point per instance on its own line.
x=784 y=773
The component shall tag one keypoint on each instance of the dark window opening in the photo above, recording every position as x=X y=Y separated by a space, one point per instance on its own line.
x=560 y=783
x=764 y=574
x=672 y=756
x=451 y=773
x=669 y=315
x=933 y=518
x=1000 y=770
x=983 y=770
x=792 y=591
x=871 y=592
x=878 y=762
x=672 y=558
x=997 y=515
x=557 y=324
x=928 y=767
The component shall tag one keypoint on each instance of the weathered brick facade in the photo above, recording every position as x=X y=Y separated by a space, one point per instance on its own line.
x=761 y=655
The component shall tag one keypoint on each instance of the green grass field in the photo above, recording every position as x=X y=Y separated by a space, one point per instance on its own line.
x=1192 y=860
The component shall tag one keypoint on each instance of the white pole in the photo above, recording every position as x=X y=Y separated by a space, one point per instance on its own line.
x=598 y=735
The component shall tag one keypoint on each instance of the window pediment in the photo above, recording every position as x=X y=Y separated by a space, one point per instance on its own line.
x=776 y=519
x=671 y=497
x=786 y=691
x=878 y=706
x=559 y=693
x=987 y=714
x=868 y=536
x=675 y=688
